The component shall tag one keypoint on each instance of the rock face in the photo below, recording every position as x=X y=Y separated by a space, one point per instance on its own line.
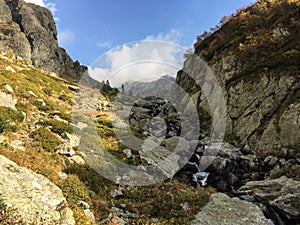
x=33 y=197
x=30 y=31
x=261 y=92
x=282 y=194
x=222 y=209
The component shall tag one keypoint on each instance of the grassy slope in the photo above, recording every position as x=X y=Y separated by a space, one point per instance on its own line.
x=162 y=201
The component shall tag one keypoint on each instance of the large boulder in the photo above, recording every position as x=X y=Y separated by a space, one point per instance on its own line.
x=283 y=194
x=32 y=197
x=224 y=210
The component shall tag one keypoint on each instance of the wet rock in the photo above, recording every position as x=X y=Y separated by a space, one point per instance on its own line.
x=224 y=210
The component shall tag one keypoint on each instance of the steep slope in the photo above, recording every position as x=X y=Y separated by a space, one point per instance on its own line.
x=30 y=31
x=255 y=57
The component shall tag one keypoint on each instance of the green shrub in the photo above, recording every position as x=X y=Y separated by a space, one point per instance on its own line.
x=45 y=139
x=74 y=190
x=8 y=119
x=3 y=124
x=57 y=126
x=64 y=116
x=41 y=107
x=47 y=91
x=64 y=97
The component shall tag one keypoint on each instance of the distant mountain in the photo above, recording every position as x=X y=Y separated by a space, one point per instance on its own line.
x=160 y=87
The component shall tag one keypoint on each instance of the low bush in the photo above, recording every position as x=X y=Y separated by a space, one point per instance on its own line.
x=45 y=139
x=57 y=126
x=47 y=91
x=9 y=118
x=64 y=97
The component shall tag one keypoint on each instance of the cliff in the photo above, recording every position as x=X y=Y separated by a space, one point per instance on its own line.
x=254 y=56
x=30 y=31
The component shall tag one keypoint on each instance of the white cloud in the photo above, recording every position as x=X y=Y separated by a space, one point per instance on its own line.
x=65 y=37
x=37 y=2
x=144 y=61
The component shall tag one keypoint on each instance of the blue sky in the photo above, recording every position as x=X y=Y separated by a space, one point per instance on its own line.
x=88 y=29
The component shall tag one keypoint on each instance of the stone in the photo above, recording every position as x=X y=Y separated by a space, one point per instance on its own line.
x=66 y=150
x=77 y=159
x=62 y=175
x=74 y=88
x=34 y=197
x=84 y=205
x=33 y=94
x=10 y=69
x=247 y=198
x=7 y=100
x=224 y=210
x=246 y=149
x=232 y=179
x=281 y=193
x=2 y=139
x=82 y=125
x=67 y=217
x=89 y=214
x=18 y=145
x=127 y=152
x=71 y=139
x=116 y=193
x=185 y=206
x=8 y=88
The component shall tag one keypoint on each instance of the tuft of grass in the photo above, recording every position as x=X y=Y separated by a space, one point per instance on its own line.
x=291 y=172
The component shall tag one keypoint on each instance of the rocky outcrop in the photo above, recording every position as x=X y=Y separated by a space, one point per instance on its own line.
x=258 y=73
x=282 y=194
x=222 y=209
x=30 y=31
x=32 y=197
